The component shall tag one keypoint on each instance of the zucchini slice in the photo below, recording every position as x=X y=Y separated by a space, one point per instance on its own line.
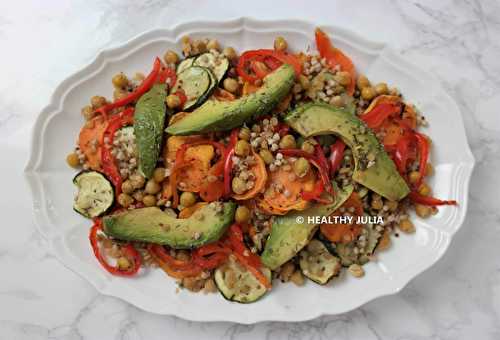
x=186 y=63
x=197 y=84
x=217 y=64
x=317 y=263
x=237 y=284
x=95 y=194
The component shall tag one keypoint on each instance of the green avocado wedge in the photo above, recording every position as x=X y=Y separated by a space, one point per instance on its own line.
x=216 y=115
x=152 y=225
x=290 y=233
x=149 y=122
x=380 y=174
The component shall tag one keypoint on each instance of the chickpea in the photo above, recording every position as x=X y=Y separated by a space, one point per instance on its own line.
x=267 y=156
x=304 y=82
x=187 y=199
x=171 y=57
x=363 y=82
x=149 y=200
x=377 y=204
x=242 y=214
x=424 y=190
x=244 y=134
x=118 y=94
x=288 y=142
x=422 y=211
x=393 y=205
x=199 y=46
x=213 y=44
x=137 y=181
x=127 y=187
x=73 y=160
x=368 y=93
x=152 y=187
x=125 y=200
x=413 y=177
x=242 y=148
x=159 y=175
x=429 y=169
x=173 y=101
x=307 y=147
x=343 y=78
x=239 y=186
x=123 y=263
x=230 y=53
x=337 y=101
x=301 y=167
x=88 y=112
x=97 y=102
x=406 y=226
x=120 y=80
x=280 y=44
x=231 y=85
x=297 y=278
x=356 y=270
x=381 y=88
x=138 y=195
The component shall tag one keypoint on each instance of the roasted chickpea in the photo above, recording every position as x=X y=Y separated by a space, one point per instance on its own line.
x=413 y=177
x=187 y=199
x=137 y=181
x=213 y=44
x=424 y=189
x=127 y=187
x=267 y=156
x=120 y=80
x=73 y=160
x=301 y=167
x=149 y=200
x=159 y=175
x=229 y=53
x=304 y=82
x=242 y=148
x=393 y=205
x=288 y=142
x=244 y=133
x=152 y=187
x=119 y=93
x=125 y=200
x=406 y=226
x=171 y=57
x=173 y=101
x=422 y=211
x=362 y=82
x=368 y=93
x=88 y=112
x=377 y=204
x=231 y=85
x=337 y=101
x=199 y=46
x=123 y=263
x=343 y=78
x=307 y=147
x=280 y=44
x=242 y=214
x=239 y=186
x=97 y=102
x=381 y=88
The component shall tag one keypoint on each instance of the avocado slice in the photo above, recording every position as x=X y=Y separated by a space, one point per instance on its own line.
x=290 y=233
x=380 y=175
x=216 y=115
x=152 y=225
x=149 y=121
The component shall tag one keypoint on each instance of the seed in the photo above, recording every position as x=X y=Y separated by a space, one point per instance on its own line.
x=356 y=270
x=406 y=226
x=422 y=211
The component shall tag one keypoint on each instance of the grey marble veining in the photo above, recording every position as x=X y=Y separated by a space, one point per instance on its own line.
x=43 y=42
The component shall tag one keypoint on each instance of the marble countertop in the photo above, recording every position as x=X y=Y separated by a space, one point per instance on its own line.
x=43 y=42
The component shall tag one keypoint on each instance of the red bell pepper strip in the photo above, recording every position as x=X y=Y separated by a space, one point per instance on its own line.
x=318 y=151
x=145 y=86
x=336 y=156
x=169 y=74
x=401 y=154
x=211 y=255
x=256 y=60
x=128 y=250
x=335 y=57
x=423 y=147
x=228 y=161
x=315 y=194
x=376 y=116
x=323 y=172
x=108 y=161
x=427 y=200
x=173 y=267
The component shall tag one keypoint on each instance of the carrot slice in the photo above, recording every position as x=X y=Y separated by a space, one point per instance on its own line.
x=345 y=232
x=259 y=169
x=249 y=88
x=288 y=196
x=382 y=99
x=187 y=212
x=89 y=141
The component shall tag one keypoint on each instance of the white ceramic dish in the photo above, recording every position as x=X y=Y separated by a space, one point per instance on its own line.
x=57 y=126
